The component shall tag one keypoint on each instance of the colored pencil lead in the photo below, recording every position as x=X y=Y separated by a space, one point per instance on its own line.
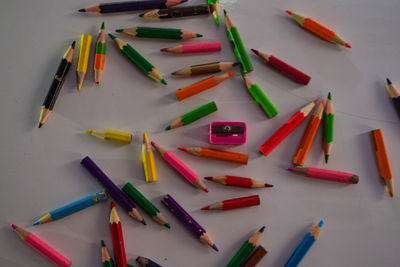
x=389 y=82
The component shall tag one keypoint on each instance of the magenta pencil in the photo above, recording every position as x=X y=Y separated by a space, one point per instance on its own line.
x=194 y=48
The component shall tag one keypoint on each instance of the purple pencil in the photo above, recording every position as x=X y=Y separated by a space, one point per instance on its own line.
x=188 y=221
x=112 y=189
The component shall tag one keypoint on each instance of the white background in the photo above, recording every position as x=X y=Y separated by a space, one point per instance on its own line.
x=41 y=170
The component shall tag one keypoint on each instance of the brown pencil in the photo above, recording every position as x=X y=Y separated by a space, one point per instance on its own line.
x=206 y=68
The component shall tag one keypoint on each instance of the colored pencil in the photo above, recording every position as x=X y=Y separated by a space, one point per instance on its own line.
x=383 y=160
x=145 y=204
x=201 y=86
x=149 y=165
x=304 y=246
x=318 y=29
x=146 y=67
x=329 y=117
x=180 y=167
x=176 y=12
x=116 y=136
x=334 y=176
x=206 y=68
x=204 y=152
x=145 y=262
x=214 y=8
x=394 y=94
x=72 y=207
x=117 y=237
x=308 y=136
x=99 y=55
x=130 y=6
x=41 y=247
x=193 y=115
x=160 y=33
x=255 y=257
x=238 y=46
x=112 y=189
x=238 y=181
x=283 y=67
x=194 y=48
x=106 y=259
x=234 y=203
x=260 y=97
x=188 y=221
x=83 y=62
x=286 y=129
x=56 y=85
x=245 y=249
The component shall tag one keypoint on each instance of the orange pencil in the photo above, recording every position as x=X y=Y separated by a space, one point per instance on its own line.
x=202 y=85
x=309 y=134
x=318 y=29
x=383 y=160
x=204 y=152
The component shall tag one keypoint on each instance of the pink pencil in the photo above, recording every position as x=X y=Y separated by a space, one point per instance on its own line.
x=42 y=247
x=178 y=165
x=334 y=176
x=194 y=48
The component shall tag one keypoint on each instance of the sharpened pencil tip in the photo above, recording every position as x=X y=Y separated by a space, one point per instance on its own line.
x=36 y=223
x=174 y=73
x=268 y=185
x=262 y=229
x=89 y=131
x=167 y=225
x=13 y=226
x=321 y=222
x=208 y=178
x=289 y=12
x=391 y=194
x=290 y=169
x=205 y=208
x=347 y=45
x=143 y=222
x=119 y=30
x=235 y=64
x=164 y=49
x=112 y=36
x=206 y=190
x=389 y=82
x=40 y=125
x=81 y=10
x=73 y=44
x=102 y=243
x=182 y=148
x=102 y=26
x=163 y=82
x=215 y=247
x=166 y=128
x=329 y=96
x=224 y=12
x=231 y=73
x=255 y=51
x=199 y=35
x=152 y=143
x=141 y=15
x=326 y=158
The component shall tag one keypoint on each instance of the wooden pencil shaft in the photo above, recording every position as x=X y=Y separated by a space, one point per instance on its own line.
x=125 y=6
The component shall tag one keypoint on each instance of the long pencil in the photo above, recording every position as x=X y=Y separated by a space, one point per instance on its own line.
x=83 y=62
x=145 y=262
x=245 y=182
x=329 y=175
x=214 y=8
x=149 y=165
x=117 y=238
x=106 y=259
x=308 y=136
x=210 y=153
x=99 y=55
x=286 y=129
x=130 y=6
x=329 y=116
x=56 y=85
x=304 y=246
x=176 y=12
x=234 y=203
x=318 y=29
x=206 y=68
x=146 y=67
x=160 y=33
x=245 y=249
x=394 y=94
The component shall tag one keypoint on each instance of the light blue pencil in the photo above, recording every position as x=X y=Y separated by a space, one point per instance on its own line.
x=72 y=207
x=304 y=246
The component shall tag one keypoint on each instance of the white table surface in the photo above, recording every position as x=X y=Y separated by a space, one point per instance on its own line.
x=41 y=170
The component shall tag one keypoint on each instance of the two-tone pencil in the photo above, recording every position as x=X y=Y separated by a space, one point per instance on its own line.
x=286 y=129
x=255 y=257
x=72 y=207
x=99 y=55
x=180 y=167
x=56 y=85
x=245 y=182
x=234 y=203
x=130 y=6
x=201 y=86
x=117 y=237
x=160 y=33
x=394 y=94
x=245 y=249
x=149 y=165
x=328 y=175
x=145 y=262
x=318 y=29
x=214 y=8
x=210 y=153
x=145 y=204
x=106 y=258
x=188 y=221
x=309 y=135
x=83 y=61
x=206 y=68
x=191 y=48
x=111 y=135
x=176 y=12
x=304 y=246
x=329 y=116
x=146 y=67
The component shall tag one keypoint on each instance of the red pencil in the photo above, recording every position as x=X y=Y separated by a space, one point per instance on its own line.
x=117 y=238
x=234 y=203
x=238 y=181
x=286 y=129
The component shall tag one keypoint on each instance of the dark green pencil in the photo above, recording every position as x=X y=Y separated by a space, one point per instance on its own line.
x=161 y=33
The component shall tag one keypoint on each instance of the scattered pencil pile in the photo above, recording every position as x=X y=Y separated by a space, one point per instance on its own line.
x=220 y=132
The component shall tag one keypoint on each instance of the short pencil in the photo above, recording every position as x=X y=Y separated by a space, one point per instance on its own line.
x=111 y=135
x=329 y=117
x=210 y=153
x=176 y=12
x=394 y=94
x=145 y=262
x=149 y=165
x=99 y=55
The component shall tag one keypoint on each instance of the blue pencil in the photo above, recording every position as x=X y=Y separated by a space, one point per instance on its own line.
x=145 y=262
x=72 y=207
x=304 y=246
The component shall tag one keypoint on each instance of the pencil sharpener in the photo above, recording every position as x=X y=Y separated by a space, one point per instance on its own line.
x=227 y=133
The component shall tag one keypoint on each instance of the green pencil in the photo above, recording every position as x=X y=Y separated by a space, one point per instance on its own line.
x=246 y=249
x=105 y=256
x=145 y=204
x=193 y=115
x=260 y=97
x=162 y=33
x=329 y=116
x=239 y=49
x=214 y=7
x=138 y=59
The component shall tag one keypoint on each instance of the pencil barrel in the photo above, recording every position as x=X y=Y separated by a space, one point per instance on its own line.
x=177 y=12
x=199 y=113
x=264 y=102
x=289 y=71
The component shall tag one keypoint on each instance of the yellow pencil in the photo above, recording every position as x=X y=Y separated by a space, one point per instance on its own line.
x=120 y=137
x=149 y=164
x=84 y=52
